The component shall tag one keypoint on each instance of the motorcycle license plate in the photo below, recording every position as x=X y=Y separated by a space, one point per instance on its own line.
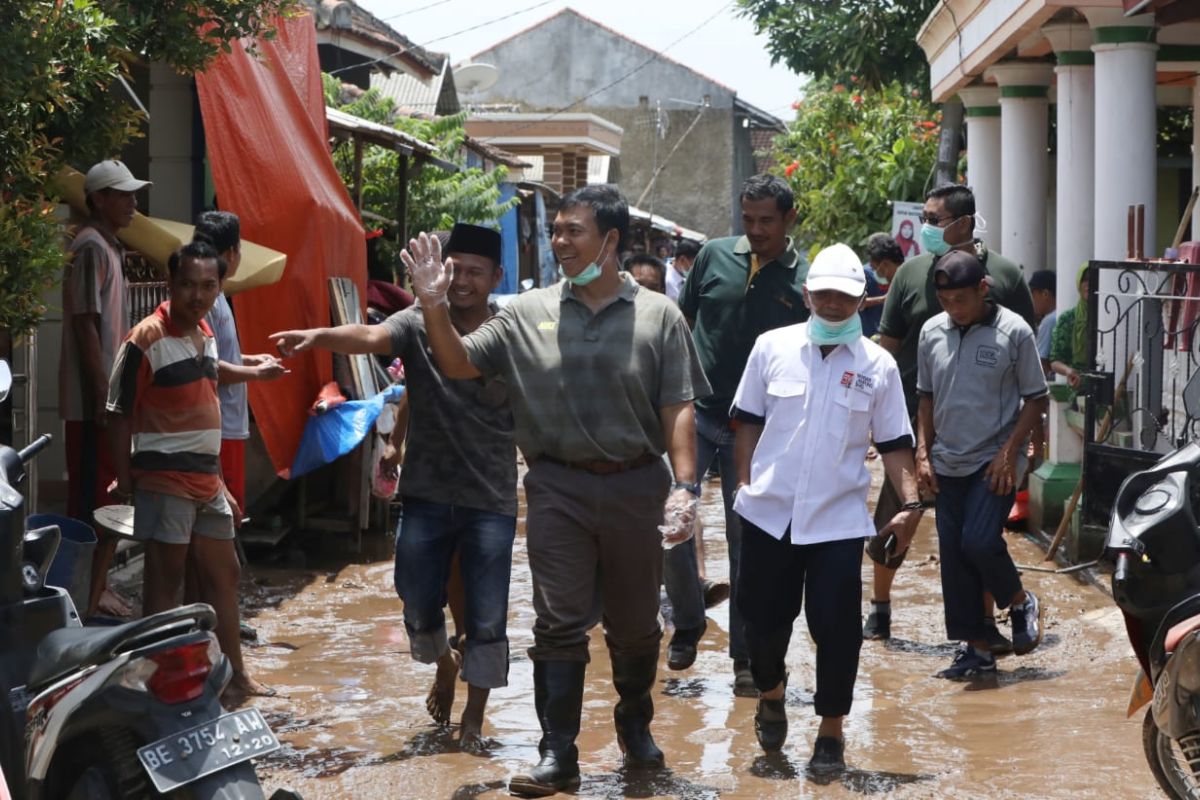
x=185 y=756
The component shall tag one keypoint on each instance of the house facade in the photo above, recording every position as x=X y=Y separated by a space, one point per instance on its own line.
x=686 y=146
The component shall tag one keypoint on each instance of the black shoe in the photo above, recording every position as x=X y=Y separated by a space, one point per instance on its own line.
x=879 y=625
x=681 y=652
x=997 y=642
x=715 y=593
x=558 y=700
x=633 y=678
x=969 y=664
x=1026 y=622
x=770 y=725
x=743 y=680
x=829 y=755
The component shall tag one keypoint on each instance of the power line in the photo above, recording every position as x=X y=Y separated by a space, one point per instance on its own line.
x=489 y=22
x=657 y=54
x=416 y=10
x=441 y=38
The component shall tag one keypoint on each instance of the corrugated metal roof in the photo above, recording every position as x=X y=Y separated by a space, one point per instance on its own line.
x=375 y=132
x=431 y=95
x=661 y=223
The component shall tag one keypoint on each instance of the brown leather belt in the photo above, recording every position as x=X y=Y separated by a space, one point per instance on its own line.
x=604 y=467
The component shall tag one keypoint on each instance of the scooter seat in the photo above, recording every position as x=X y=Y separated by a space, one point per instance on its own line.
x=68 y=649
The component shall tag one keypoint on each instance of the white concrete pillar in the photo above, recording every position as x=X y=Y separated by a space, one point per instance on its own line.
x=1125 y=127
x=982 y=106
x=1024 y=128
x=1075 y=164
x=170 y=143
x=1196 y=155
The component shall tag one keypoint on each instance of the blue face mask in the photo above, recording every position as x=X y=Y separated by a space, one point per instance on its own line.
x=933 y=239
x=824 y=331
x=589 y=273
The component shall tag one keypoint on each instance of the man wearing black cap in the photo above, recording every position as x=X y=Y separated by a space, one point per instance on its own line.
x=981 y=392
x=458 y=481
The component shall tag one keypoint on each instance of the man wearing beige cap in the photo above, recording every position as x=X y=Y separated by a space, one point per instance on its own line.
x=95 y=321
x=812 y=398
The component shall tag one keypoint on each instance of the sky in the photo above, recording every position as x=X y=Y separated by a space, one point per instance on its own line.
x=726 y=48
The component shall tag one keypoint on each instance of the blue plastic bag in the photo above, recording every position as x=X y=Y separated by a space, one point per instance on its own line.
x=339 y=430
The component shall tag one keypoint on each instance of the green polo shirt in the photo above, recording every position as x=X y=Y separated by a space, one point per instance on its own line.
x=912 y=301
x=729 y=311
x=589 y=386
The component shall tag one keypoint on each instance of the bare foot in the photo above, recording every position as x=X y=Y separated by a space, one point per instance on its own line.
x=470 y=735
x=440 y=699
x=243 y=684
x=113 y=604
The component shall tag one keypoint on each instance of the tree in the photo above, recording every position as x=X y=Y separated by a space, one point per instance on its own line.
x=58 y=106
x=873 y=39
x=436 y=198
x=849 y=152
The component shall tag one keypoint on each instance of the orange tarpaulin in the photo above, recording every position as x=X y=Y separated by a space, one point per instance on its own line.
x=264 y=120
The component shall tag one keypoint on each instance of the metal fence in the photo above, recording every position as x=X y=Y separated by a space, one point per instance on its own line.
x=1142 y=349
x=143 y=298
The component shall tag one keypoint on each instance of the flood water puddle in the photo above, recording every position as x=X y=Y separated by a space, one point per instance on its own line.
x=353 y=721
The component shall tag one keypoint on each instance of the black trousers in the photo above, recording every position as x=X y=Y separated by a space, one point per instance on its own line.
x=774 y=578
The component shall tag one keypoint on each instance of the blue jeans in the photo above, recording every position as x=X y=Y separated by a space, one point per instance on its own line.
x=714 y=439
x=426 y=539
x=974 y=557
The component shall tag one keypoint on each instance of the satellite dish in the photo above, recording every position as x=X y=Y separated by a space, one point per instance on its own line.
x=470 y=78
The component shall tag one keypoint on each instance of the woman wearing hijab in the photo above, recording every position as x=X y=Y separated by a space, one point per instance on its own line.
x=908 y=245
x=1068 y=347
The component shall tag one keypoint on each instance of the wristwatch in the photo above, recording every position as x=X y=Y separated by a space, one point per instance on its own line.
x=694 y=488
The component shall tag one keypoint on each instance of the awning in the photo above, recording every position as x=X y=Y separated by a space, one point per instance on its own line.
x=157 y=238
x=664 y=225
x=348 y=126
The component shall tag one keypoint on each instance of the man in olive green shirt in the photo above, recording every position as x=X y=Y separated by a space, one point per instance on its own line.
x=738 y=288
x=601 y=375
x=948 y=224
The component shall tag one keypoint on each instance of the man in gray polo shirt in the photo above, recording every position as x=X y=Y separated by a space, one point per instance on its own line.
x=981 y=392
x=601 y=376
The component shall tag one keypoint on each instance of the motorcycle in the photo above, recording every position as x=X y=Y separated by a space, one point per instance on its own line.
x=128 y=711
x=1154 y=541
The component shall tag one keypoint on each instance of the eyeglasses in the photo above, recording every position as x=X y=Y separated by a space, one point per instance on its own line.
x=932 y=220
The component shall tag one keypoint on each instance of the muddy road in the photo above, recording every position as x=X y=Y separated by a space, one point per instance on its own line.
x=353 y=721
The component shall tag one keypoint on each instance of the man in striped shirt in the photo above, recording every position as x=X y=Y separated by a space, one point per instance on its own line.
x=165 y=424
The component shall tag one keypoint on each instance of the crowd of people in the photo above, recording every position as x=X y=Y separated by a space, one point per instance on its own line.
x=620 y=387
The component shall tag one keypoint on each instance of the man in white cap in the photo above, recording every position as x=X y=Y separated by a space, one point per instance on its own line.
x=812 y=398
x=95 y=321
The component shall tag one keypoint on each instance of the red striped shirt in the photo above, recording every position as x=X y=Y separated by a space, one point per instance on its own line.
x=170 y=393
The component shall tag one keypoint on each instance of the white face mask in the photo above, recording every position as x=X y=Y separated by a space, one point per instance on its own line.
x=590 y=272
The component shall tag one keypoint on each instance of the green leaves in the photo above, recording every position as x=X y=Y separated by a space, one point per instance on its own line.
x=849 y=152
x=436 y=198
x=874 y=40
x=58 y=107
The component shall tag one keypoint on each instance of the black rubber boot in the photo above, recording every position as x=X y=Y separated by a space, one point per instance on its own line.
x=633 y=678
x=558 y=699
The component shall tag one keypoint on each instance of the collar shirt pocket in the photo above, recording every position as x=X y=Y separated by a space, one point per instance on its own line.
x=784 y=391
x=849 y=416
x=786 y=402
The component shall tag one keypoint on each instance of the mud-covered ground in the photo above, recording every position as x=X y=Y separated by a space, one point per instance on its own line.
x=352 y=708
